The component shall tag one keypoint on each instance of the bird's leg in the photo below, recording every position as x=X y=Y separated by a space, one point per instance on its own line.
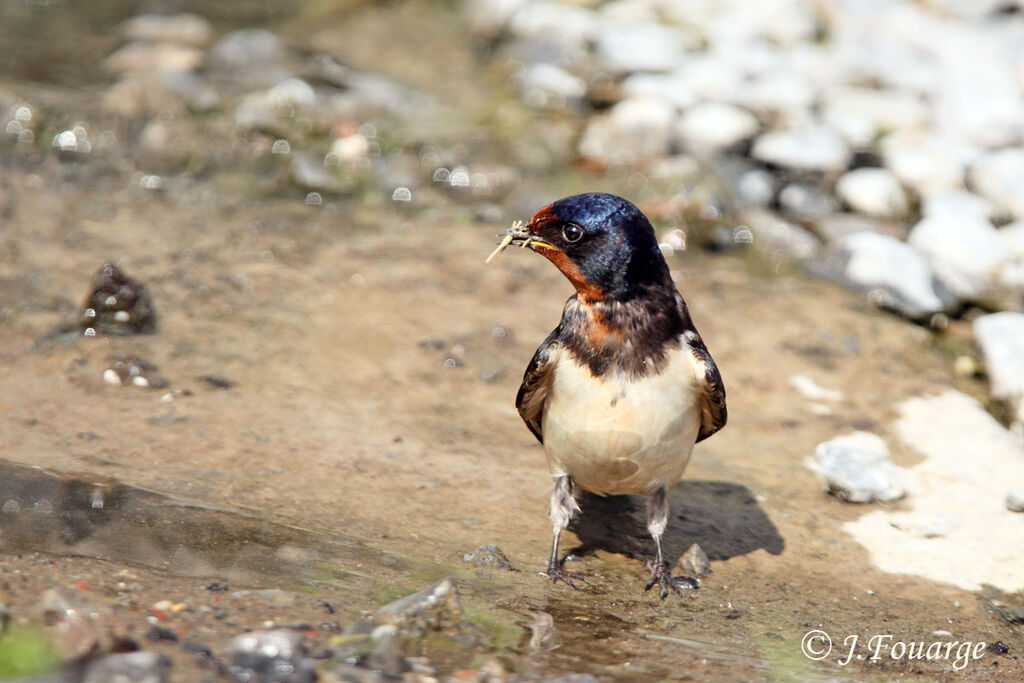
x=563 y=508
x=661 y=573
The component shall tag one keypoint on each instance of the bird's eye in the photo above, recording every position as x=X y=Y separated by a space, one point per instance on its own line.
x=572 y=232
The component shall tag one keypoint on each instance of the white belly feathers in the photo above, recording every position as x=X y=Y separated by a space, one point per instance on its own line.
x=615 y=435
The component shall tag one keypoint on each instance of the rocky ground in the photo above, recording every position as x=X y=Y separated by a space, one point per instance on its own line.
x=276 y=439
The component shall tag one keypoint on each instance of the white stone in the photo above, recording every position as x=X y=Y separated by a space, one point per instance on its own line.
x=756 y=187
x=922 y=162
x=570 y=23
x=862 y=114
x=999 y=176
x=778 y=238
x=813 y=391
x=874 y=192
x=969 y=459
x=957 y=203
x=634 y=129
x=814 y=148
x=783 y=97
x=856 y=468
x=892 y=273
x=639 y=47
x=546 y=84
x=1001 y=337
x=1012 y=237
x=184 y=29
x=710 y=78
x=715 y=126
x=490 y=17
x=672 y=88
x=1015 y=500
x=964 y=251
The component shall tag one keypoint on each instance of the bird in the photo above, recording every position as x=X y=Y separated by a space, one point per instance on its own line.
x=624 y=387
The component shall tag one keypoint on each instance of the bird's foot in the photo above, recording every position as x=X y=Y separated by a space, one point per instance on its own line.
x=661 y=574
x=556 y=574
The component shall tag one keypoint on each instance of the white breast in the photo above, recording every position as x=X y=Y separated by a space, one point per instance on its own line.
x=615 y=435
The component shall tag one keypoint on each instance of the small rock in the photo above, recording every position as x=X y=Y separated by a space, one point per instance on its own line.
x=715 y=126
x=779 y=238
x=756 y=187
x=835 y=226
x=923 y=163
x=488 y=555
x=117 y=305
x=694 y=562
x=639 y=47
x=270 y=656
x=964 y=251
x=153 y=57
x=856 y=468
x=862 y=114
x=634 y=129
x=1015 y=500
x=1001 y=337
x=136 y=667
x=311 y=174
x=433 y=609
x=893 y=275
x=957 y=202
x=814 y=148
x=546 y=84
x=183 y=29
x=248 y=49
x=999 y=177
x=672 y=88
x=874 y=192
x=806 y=202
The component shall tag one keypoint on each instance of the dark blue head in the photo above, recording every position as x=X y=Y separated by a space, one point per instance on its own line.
x=602 y=243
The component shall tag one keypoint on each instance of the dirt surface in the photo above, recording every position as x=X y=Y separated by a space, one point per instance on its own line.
x=368 y=436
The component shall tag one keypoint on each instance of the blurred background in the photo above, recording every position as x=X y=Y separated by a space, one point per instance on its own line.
x=259 y=384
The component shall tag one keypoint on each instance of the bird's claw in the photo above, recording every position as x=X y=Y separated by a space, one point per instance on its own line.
x=556 y=574
x=661 y=574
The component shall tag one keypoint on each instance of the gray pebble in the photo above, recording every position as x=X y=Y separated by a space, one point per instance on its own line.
x=694 y=562
x=133 y=667
x=1015 y=500
x=488 y=555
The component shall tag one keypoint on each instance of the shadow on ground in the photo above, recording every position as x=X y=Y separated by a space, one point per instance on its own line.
x=723 y=518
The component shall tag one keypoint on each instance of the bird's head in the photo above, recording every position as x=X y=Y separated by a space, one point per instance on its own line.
x=602 y=243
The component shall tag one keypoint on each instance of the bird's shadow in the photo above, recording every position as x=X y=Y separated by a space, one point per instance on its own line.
x=723 y=518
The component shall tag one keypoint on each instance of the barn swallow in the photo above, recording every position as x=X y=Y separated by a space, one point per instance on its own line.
x=622 y=389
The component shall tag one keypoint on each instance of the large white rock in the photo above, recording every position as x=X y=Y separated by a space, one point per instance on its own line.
x=639 y=47
x=892 y=274
x=964 y=250
x=960 y=489
x=1001 y=337
x=714 y=126
x=634 y=129
x=813 y=148
x=999 y=176
x=874 y=192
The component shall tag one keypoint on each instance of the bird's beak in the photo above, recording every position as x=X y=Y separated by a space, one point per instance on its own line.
x=522 y=236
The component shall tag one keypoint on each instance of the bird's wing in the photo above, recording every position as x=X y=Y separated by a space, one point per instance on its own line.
x=713 y=412
x=536 y=383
